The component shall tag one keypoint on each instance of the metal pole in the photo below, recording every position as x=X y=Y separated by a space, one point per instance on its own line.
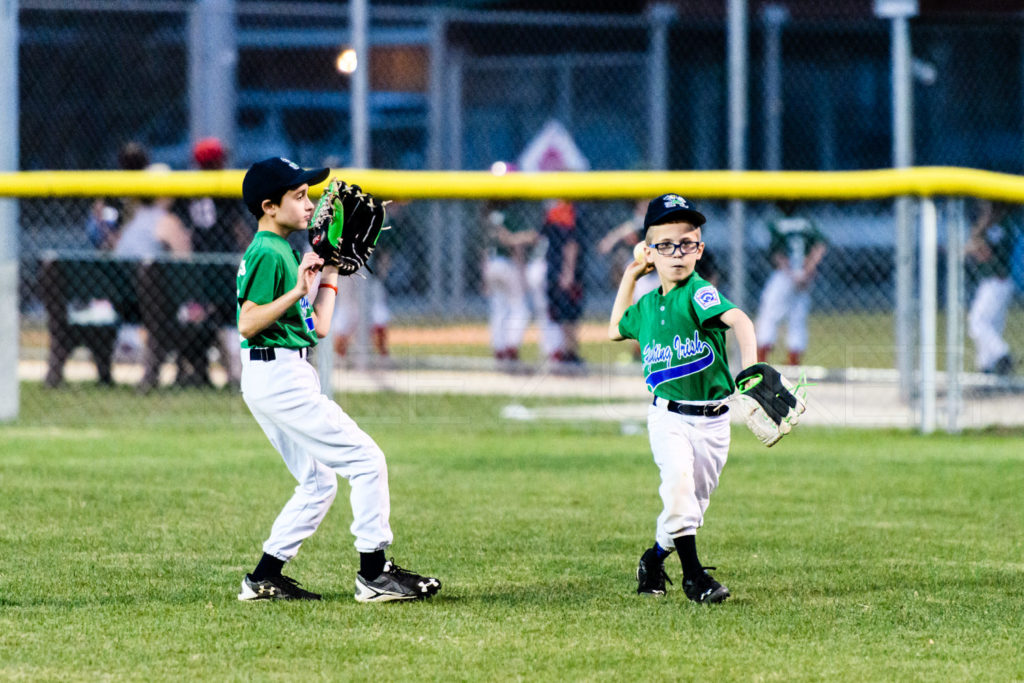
x=955 y=230
x=773 y=17
x=457 y=234
x=213 y=57
x=435 y=161
x=929 y=308
x=361 y=158
x=903 y=157
x=360 y=84
x=737 y=49
x=660 y=16
x=359 y=128
x=9 y=153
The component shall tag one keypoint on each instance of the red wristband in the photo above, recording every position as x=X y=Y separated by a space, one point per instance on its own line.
x=324 y=284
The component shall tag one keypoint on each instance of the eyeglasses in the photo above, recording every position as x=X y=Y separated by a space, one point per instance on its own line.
x=669 y=248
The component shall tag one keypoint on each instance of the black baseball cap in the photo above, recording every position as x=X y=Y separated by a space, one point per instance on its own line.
x=670 y=208
x=266 y=179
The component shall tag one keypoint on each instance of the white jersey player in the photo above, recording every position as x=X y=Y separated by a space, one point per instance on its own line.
x=795 y=250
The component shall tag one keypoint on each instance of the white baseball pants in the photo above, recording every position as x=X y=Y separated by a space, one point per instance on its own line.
x=690 y=452
x=986 y=320
x=506 y=293
x=347 y=307
x=782 y=299
x=318 y=442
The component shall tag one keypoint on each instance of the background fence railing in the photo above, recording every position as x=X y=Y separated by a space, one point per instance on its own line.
x=81 y=303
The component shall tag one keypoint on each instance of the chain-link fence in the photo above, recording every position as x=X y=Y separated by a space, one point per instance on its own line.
x=472 y=90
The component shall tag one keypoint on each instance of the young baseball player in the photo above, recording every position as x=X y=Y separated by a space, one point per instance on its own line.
x=989 y=253
x=681 y=331
x=279 y=320
x=796 y=248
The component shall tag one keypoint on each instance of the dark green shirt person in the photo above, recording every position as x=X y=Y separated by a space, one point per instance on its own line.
x=269 y=268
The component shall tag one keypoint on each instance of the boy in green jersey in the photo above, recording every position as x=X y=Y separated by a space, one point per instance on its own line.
x=681 y=331
x=285 y=304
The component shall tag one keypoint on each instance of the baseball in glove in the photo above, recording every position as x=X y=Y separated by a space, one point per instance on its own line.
x=346 y=225
x=770 y=405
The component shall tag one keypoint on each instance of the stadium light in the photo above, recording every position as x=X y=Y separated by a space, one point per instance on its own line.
x=347 y=61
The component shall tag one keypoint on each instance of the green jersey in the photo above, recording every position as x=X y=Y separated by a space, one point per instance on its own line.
x=793 y=237
x=269 y=268
x=682 y=339
x=1000 y=239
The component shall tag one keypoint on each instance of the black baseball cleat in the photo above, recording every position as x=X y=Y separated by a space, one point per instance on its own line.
x=395 y=583
x=650 y=574
x=704 y=588
x=274 y=588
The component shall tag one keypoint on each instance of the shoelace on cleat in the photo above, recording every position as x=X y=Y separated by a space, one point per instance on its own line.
x=398 y=571
x=291 y=583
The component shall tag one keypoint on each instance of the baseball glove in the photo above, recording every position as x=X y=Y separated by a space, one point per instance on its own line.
x=770 y=405
x=345 y=226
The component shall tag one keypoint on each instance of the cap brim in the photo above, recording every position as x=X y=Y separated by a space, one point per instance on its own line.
x=679 y=215
x=312 y=176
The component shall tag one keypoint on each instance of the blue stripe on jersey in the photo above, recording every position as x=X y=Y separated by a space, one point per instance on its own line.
x=688 y=368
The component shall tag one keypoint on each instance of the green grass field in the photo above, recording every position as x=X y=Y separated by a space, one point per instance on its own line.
x=126 y=525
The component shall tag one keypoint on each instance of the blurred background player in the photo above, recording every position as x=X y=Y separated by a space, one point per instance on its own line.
x=348 y=304
x=504 y=279
x=619 y=243
x=152 y=230
x=564 y=278
x=217 y=225
x=107 y=215
x=989 y=253
x=795 y=249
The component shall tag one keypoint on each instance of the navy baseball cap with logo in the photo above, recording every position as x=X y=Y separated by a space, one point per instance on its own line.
x=671 y=208
x=268 y=178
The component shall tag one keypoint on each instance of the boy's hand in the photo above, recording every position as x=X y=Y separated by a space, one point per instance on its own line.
x=639 y=266
x=309 y=266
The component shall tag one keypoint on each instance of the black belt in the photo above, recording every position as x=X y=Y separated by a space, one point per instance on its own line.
x=268 y=354
x=705 y=410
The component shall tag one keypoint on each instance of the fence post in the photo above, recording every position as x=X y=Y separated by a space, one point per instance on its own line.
x=361 y=158
x=737 y=53
x=213 y=55
x=659 y=16
x=929 y=304
x=435 y=160
x=9 y=397
x=954 y=312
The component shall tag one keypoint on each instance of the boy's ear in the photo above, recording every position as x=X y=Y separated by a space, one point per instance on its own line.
x=266 y=204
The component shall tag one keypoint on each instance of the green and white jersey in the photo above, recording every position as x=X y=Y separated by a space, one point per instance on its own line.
x=1000 y=239
x=793 y=237
x=682 y=340
x=269 y=268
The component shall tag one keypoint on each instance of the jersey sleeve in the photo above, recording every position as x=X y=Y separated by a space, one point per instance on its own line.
x=817 y=236
x=708 y=304
x=259 y=278
x=629 y=324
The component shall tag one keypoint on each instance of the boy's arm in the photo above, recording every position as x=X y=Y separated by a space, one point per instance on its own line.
x=624 y=296
x=326 y=297
x=743 y=328
x=253 y=318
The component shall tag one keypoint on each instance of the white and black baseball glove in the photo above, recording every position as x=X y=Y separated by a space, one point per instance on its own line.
x=769 y=404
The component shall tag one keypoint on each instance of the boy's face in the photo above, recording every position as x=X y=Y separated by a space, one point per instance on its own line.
x=294 y=211
x=674 y=239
